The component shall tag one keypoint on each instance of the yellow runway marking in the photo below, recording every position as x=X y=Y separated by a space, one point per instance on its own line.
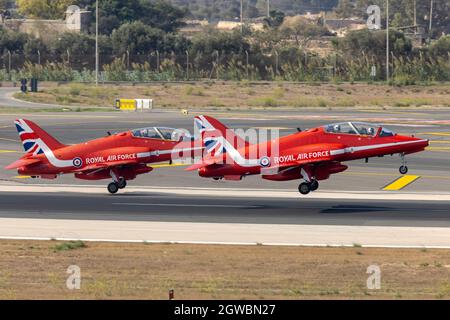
x=22 y=177
x=401 y=182
x=8 y=151
x=444 y=134
x=440 y=141
x=437 y=148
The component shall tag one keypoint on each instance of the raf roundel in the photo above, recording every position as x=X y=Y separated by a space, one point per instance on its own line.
x=264 y=161
x=77 y=162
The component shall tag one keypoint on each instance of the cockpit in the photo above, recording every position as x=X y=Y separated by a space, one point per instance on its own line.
x=162 y=133
x=358 y=128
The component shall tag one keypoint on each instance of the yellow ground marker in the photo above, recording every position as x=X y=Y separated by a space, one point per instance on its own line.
x=444 y=134
x=8 y=151
x=167 y=165
x=437 y=148
x=401 y=182
x=22 y=177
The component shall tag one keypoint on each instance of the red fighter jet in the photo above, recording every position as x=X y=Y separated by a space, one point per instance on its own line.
x=120 y=156
x=312 y=155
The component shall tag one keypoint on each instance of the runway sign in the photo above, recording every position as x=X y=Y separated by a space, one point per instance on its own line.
x=134 y=104
x=401 y=182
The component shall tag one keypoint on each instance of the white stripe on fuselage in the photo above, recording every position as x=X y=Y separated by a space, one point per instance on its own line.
x=238 y=159
x=371 y=147
x=160 y=152
x=51 y=156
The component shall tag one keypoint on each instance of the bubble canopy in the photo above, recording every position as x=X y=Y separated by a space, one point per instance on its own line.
x=161 y=133
x=358 y=128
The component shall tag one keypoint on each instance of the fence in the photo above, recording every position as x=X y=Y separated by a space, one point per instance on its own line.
x=286 y=65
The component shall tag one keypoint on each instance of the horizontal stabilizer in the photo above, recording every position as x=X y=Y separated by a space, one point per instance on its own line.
x=22 y=163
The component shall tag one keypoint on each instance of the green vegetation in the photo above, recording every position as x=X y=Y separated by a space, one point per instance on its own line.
x=71 y=245
x=230 y=95
x=141 y=41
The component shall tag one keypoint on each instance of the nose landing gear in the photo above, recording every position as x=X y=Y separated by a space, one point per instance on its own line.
x=310 y=184
x=117 y=184
x=306 y=187
x=403 y=168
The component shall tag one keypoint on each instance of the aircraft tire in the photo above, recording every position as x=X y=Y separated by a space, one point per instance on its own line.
x=113 y=187
x=314 y=185
x=122 y=183
x=304 y=188
x=403 y=169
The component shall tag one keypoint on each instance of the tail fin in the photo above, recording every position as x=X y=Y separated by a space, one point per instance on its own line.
x=35 y=140
x=213 y=133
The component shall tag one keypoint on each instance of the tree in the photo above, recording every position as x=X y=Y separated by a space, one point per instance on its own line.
x=344 y=9
x=12 y=41
x=138 y=38
x=157 y=14
x=43 y=9
x=275 y=18
x=302 y=29
x=161 y=14
x=77 y=44
x=373 y=44
x=441 y=48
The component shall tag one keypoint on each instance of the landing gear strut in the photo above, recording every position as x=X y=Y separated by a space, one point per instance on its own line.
x=118 y=183
x=403 y=168
x=310 y=184
x=122 y=183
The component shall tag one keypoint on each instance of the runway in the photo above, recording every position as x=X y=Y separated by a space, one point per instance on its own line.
x=172 y=205
x=165 y=215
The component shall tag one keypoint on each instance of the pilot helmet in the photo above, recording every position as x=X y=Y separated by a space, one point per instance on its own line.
x=337 y=128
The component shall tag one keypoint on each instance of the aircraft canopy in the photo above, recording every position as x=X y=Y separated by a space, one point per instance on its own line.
x=358 y=128
x=162 y=133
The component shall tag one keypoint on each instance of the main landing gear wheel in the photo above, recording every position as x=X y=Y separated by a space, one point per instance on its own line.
x=403 y=169
x=304 y=188
x=113 y=187
x=122 y=183
x=314 y=185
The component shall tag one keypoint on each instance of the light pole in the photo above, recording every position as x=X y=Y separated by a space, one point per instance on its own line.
x=242 y=15
x=387 y=41
x=187 y=65
x=96 y=43
x=431 y=20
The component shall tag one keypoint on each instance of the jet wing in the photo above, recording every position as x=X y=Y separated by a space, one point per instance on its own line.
x=22 y=163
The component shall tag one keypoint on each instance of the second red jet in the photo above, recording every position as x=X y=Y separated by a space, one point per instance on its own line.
x=311 y=156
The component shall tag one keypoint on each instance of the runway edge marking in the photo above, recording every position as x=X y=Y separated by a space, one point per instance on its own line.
x=352 y=245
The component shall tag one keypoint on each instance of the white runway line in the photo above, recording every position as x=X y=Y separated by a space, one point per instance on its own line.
x=224 y=233
x=235 y=192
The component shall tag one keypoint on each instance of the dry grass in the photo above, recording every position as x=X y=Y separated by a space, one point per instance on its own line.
x=36 y=270
x=238 y=95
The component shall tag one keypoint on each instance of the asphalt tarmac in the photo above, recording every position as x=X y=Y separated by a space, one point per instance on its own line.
x=298 y=219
